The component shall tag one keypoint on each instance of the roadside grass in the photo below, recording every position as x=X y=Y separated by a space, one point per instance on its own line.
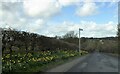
x=37 y=61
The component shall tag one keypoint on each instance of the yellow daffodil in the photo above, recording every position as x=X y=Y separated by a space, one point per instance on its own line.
x=8 y=56
x=18 y=61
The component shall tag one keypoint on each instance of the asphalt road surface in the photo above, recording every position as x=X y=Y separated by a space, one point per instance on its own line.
x=95 y=62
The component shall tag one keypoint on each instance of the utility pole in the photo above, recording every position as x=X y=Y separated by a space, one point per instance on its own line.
x=79 y=38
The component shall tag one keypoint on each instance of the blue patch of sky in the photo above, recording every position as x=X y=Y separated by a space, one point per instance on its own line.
x=67 y=14
x=105 y=14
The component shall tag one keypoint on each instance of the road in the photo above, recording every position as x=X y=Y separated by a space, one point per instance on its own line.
x=95 y=62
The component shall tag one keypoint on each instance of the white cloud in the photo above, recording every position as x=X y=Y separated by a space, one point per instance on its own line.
x=100 y=0
x=88 y=1
x=68 y=2
x=13 y=1
x=41 y=8
x=90 y=29
x=87 y=9
x=35 y=27
x=100 y=30
x=12 y=15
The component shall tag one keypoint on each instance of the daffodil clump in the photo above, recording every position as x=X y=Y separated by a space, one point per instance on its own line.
x=20 y=62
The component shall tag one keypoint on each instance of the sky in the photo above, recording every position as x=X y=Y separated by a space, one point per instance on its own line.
x=57 y=17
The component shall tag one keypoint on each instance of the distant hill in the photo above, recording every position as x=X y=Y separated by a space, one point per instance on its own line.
x=105 y=44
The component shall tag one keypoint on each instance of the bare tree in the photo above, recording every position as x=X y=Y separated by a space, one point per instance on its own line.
x=70 y=34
